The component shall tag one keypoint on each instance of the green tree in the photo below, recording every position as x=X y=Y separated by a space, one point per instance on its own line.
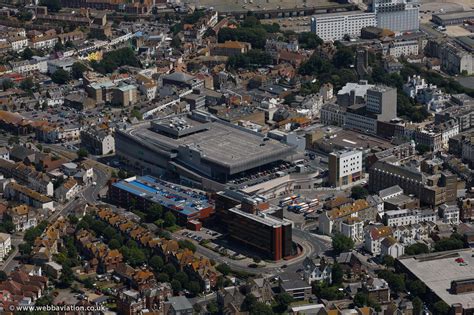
x=343 y=58
x=88 y=283
x=136 y=113
x=416 y=249
x=450 y=243
x=134 y=256
x=416 y=288
x=78 y=69
x=169 y=269
x=193 y=287
x=53 y=5
x=58 y=46
x=361 y=299
x=394 y=280
x=109 y=232
x=112 y=60
x=256 y=36
x=261 y=309
x=82 y=153
x=440 y=308
x=187 y=244
x=27 y=84
x=176 y=42
x=27 y=53
x=176 y=286
x=60 y=76
x=169 y=219
x=212 y=308
x=154 y=212
x=341 y=243
x=283 y=301
x=337 y=274
x=3 y=275
x=7 y=84
x=417 y=305
x=66 y=278
x=254 y=58
x=182 y=277
x=24 y=15
x=224 y=269
x=163 y=277
x=156 y=262
x=388 y=261
x=323 y=291
x=309 y=40
x=359 y=192
x=422 y=148
x=249 y=302
x=114 y=244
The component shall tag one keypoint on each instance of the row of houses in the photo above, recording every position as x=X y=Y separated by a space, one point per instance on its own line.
x=196 y=267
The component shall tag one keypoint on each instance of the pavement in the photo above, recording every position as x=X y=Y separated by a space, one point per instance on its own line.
x=10 y=263
x=312 y=244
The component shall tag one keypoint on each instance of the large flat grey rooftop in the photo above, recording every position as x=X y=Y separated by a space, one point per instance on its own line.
x=222 y=143
x=437 y=272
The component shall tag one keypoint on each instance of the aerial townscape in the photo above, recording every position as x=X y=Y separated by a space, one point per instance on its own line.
x=237 y=157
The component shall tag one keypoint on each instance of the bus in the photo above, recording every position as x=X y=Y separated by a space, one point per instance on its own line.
x=285 y=201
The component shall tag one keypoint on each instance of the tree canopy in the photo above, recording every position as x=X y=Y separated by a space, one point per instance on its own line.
x=53 y=5
x=114 y=59
x=341 y=243
x=60 y=76
x=252 y=59
x=359 y=192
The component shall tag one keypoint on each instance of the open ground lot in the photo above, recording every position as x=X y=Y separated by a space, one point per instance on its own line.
x=250 y=5
x=456 y=31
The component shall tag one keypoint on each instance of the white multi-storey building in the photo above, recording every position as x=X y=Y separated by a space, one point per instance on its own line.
x=361 y=123
x=374 y=237
x=414 y=85
x=407 y=216
x=5 y=245
x=345 y=167
x=449 y=213
x=397 y=15
x=353 y=228
x=332 y=114
x=332 y=27
x=18 y=43
x=404 y=48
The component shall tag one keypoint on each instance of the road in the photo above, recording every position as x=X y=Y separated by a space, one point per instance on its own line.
x=314 y=246
x=10 y=263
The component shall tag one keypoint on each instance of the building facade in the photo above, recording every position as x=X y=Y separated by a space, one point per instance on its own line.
x=345 y=167
x=332 y=27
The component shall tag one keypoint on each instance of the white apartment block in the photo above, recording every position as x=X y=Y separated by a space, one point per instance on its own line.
x=404 y=48
x=449 y=213
x=373 y=239
x=405 y=217
x=360 y=123
x=413 y=233
x=414 y=85
x=345 y=167
x=5 y=245
x=449 y=130
x=44 y=43
x=332 y=114
x=332 y=27
x=18 y=43
x=456 y=60
x=353 y=228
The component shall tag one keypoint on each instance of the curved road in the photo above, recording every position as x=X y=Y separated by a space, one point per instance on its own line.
x=313 y=245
